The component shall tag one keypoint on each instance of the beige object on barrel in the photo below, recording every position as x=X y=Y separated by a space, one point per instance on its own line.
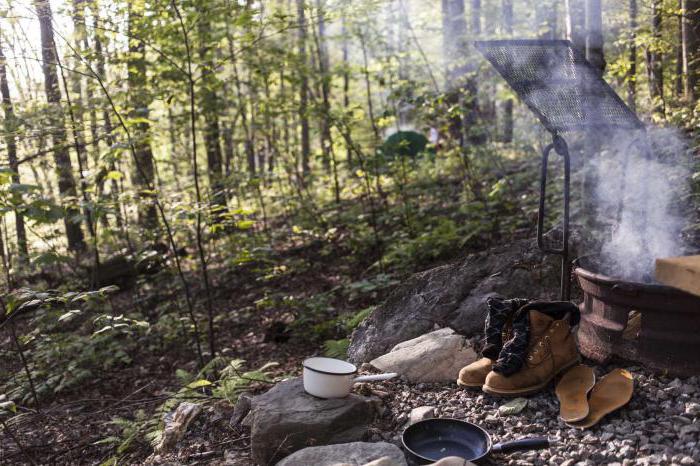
x=680 y=272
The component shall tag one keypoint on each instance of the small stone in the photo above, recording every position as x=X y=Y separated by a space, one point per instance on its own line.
x=687 y=460
x=241 y=409
x=491 y=419
x=692 y=408
x=689 y=429
x=676 y=383
x=626 y=452
x=176 y=424
x=421 y=413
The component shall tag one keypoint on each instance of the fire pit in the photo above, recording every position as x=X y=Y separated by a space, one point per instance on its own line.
x=656 y=325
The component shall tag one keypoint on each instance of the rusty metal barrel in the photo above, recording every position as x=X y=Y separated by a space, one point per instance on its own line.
x=655 y=325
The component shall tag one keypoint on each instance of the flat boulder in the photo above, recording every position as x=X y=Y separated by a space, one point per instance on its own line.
x=350 y=454
x=434 y=357
x=454 y=296
x=286 y=419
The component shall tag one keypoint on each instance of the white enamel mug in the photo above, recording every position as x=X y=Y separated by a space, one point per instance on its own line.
x=333 y=378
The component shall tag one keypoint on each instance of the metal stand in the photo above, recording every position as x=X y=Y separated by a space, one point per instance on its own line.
x=561 y=148
x=557 y=83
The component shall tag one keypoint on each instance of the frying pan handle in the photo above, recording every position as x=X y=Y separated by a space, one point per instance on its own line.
x=533 y=443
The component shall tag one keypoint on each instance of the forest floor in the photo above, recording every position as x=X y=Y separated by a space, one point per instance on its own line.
x=658 y=427
x=287 y=304
x=69 y=428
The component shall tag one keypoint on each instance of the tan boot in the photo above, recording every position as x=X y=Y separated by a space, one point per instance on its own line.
x=474 y=375
x=551 y=350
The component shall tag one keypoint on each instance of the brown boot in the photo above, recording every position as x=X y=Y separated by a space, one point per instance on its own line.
x=551 y=349
x=474 y=375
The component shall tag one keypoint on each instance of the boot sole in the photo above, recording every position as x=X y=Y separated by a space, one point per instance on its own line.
x=572 y=392
x=611 y=393
x=467 y=385
x=532 y=389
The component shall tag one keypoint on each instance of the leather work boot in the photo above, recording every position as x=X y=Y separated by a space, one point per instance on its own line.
x=551 y=350
x=474 y=375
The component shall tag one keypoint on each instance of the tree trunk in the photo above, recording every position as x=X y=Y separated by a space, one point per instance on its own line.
x=368 y=86
x=632 y=71
x=594 y=35
x=576 y=23
x=546 y=19
x=107 y=119
x=303 y=91
x=507 y=13
x=323 y=67
x=471 y=129
x=210 y=110
x=242 y=103
x=594 y=54
x=139 y=100
x=64 y=168
x=77 y=84
x=172 y=134
x=454 y=40
x=691 y=47
x=75 y=113
x=11 y=127
x=346 y=81
x=454 y=45
x=476 y=18
x=655 y=61
x=678 y=79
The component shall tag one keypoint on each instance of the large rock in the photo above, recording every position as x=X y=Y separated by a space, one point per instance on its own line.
x=434 y=357
x=453 y=296
x=355 y=454
x=286 y=419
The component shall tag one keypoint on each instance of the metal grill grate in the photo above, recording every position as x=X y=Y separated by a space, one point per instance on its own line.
x=557 y=83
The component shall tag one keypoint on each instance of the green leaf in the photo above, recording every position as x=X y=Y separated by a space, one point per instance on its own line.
x=114 y=175
x=108 y=440
x=199 y=383
x=70 y=315
x=30 y=304
x=8 y=406
x=108 y=289
x=245 y=224
x=514 y=406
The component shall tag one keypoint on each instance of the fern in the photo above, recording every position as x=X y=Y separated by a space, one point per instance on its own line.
x=230 y=384
x=336 y=348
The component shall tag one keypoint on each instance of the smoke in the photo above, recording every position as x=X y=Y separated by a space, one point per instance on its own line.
x=640 y=192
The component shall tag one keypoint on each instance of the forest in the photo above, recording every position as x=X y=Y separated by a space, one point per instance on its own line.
x=197 y=195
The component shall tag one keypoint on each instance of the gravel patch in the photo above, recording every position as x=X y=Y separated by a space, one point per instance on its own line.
x=660 y=425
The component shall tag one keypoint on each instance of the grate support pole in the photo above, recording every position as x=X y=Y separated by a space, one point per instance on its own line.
x=560 y=147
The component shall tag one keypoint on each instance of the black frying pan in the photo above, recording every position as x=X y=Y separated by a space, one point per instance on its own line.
x=433 y=439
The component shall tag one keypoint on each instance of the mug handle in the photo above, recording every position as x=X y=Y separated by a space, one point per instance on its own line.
x=532 y=443
x=375 y=378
